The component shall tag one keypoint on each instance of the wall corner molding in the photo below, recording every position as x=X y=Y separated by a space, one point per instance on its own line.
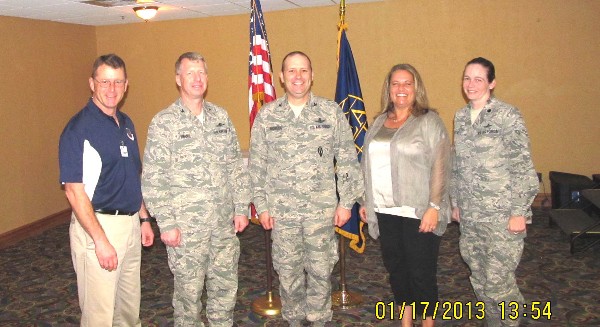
x=35 y=228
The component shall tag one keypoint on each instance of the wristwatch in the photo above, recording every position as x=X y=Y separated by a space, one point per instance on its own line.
x=434 y=206
x=146 y=220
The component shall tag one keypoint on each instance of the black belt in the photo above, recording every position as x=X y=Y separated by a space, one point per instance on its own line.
x=115 y=212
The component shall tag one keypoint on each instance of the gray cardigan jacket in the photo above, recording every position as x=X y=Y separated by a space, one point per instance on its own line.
x=420 y=159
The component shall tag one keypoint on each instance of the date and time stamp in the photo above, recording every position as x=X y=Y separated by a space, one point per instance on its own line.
x=535 y=310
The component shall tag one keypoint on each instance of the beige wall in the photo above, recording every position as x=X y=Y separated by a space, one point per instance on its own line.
x=43 y=68
x=545 y=54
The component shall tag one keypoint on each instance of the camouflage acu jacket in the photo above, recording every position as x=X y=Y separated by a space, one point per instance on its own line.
x=493 y=174
x=292 y=159
x=193 y=167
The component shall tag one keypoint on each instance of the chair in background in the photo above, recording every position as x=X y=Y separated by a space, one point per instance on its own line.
x=573 y=213
x=565 y=189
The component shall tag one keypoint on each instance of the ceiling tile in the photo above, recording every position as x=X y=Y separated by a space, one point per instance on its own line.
x=77 y=12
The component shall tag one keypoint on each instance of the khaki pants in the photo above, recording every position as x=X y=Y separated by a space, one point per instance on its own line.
x=108 y=298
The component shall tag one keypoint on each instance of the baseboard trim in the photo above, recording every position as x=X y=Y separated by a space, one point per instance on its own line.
x=35 y=228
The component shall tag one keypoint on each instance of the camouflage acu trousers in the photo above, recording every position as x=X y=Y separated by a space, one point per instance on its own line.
x=212 y=253
x=304 y=254
x=493 y=255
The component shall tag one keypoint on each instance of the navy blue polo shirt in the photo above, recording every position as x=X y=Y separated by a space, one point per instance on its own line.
x=104 y=156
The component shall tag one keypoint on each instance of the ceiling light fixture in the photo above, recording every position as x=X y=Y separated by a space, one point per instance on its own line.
x=146 y=12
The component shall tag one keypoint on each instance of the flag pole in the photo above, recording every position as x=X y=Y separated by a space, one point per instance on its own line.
x=342 y=11
x=343 y=299
x=269 y=304
x=261 y=92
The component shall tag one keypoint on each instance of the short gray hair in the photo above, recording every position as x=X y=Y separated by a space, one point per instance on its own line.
x=191 y=56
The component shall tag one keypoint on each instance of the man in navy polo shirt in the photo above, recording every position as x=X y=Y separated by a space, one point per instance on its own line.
x=100 y=168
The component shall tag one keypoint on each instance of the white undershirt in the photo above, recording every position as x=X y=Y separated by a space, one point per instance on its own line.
x=201 y=117
x=296 y=109
x=474 y=114
x=381 y=172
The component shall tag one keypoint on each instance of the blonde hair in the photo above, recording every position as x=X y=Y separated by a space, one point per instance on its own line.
x=421 y=105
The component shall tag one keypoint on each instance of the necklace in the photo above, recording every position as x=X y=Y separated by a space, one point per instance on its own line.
x=396 y=120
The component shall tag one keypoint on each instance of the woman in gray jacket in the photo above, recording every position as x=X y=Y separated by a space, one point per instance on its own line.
x=406 y=164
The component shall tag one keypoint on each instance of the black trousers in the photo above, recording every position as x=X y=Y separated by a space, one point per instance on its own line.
x=411 y=259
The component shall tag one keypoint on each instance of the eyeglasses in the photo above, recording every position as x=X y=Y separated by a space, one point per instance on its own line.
x=105 y=83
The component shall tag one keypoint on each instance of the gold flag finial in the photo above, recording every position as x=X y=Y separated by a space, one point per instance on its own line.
x=342 y=12
x=341 y=26
x=342 y=23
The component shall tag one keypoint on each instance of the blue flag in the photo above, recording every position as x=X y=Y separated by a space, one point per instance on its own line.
x=349 y=97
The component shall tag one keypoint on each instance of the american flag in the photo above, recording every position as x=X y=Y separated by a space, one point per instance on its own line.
x=260 y=75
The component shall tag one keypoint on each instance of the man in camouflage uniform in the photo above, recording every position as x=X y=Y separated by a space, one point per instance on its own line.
x=195 y=185
x=494 y=184
x=294 y=142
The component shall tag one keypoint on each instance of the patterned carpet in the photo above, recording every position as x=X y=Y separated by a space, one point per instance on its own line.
x=37 y=282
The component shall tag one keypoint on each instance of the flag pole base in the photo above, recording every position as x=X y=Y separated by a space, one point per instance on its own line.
x=268 y=305
x=346 y=299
